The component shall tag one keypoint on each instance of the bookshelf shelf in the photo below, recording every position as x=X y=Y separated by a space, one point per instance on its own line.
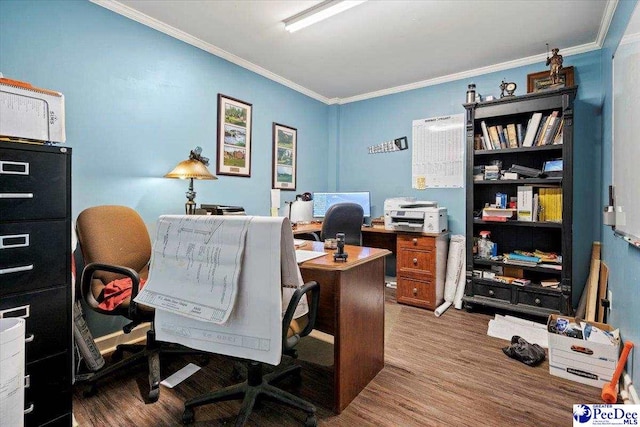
x=545 y=119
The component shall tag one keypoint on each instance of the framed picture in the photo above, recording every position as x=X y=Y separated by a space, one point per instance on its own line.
x=234 y=137
x=541 y=81
x=285 y=142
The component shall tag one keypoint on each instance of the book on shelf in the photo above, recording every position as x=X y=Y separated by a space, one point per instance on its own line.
x=521 y=282
x=551 y=266
x=493 y=136
x=520 y=263
x=550 y=200
x=549 y=283
x=550 y=129
x=519 y=134
x=540 y=130
x=532 y=129
x=557 y=140
x=525 y=203
x=501 y=136
x=512 y=134
x=485 y=135
x=519 y=257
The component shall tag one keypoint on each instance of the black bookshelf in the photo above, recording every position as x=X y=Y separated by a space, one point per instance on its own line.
x=532 y=299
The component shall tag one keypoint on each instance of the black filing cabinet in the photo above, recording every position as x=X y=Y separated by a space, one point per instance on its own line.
x=35 y=271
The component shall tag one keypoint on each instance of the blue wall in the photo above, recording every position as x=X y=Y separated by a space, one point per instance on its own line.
x=137 y=101
x=623 y=259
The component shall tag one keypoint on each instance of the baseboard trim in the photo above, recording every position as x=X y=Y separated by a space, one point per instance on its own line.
x=108 y=343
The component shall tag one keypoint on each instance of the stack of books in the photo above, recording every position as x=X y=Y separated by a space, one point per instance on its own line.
x=541 y=129
x=522 y=260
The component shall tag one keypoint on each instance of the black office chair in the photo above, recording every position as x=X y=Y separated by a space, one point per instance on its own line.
x=344 y=218
x=258 y=385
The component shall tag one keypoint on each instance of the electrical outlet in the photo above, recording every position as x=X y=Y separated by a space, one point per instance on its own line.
x=610 y=298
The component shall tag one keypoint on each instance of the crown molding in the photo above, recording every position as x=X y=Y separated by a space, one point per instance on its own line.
x=607 y=17
x=143 y=19
x=137 y=16
x=471 y=73
x=630 y=38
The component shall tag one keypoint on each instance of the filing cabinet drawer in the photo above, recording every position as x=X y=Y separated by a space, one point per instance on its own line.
x=49 y=390
x=48 y=320
x=553 y=302
x=415 y=242
x=492 y=291
x=416 y=292
x=418 y=264
x=33 y=184
x=33 y=255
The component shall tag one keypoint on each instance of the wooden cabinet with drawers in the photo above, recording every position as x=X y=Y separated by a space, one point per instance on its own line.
x=35 y=271
x=421 y=268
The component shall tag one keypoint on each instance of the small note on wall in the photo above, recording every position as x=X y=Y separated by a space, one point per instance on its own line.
x=438 y=152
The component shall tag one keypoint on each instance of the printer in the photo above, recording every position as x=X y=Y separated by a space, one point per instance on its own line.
x=223 y=210
x=409 y=214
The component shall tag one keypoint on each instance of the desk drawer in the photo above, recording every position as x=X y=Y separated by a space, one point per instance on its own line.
x=417 y=263
x=415 y=242
x=416 y=292
x=33 y=255
x=48 y=320
x=49 y=390
x=33 y=184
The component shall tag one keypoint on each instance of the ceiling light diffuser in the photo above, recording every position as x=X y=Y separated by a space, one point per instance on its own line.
x=318 y=13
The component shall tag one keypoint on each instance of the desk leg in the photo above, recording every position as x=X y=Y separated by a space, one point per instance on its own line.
x=359 y=337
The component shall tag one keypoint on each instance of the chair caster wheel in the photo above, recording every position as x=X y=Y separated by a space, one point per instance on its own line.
x=90 y=390
x=154 y=394
x=311 y=421
x=188 y=416
x=237 y=374
x=116 y=356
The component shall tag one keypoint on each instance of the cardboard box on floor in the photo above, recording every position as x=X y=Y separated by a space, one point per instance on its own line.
x=580 y=360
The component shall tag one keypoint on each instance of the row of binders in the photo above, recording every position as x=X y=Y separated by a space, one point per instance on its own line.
x=540 y=130
x=545 y=205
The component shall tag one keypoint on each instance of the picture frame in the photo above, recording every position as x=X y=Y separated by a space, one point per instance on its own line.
x=234 y=137
x=285 y=145
x=537 y=82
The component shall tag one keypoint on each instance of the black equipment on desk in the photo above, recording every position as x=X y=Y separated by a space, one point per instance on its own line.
x=340 y=255
x=223 y=210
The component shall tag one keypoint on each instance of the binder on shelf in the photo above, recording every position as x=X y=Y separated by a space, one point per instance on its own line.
x=485 y=134
x=512 y=133
x=525 y=203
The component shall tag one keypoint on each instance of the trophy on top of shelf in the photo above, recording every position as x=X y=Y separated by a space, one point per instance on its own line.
x=556 y=65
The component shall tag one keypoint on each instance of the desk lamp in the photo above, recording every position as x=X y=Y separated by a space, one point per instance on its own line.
x=195 y=167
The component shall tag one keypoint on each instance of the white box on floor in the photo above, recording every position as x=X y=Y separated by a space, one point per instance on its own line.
x=580 y=360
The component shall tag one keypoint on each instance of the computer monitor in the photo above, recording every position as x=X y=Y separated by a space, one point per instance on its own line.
x=322 y=201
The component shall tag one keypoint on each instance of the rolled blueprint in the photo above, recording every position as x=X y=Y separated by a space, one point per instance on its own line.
x=455 y=269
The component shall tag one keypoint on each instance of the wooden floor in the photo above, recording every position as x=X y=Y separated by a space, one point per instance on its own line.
x=438 y=372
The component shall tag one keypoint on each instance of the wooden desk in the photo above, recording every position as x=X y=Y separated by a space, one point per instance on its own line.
x=352 y=310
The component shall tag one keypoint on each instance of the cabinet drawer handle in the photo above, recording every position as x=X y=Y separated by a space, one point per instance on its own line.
x=13 y=168
x=491 y=293
x=29 y=338
x=27 y=381
x=415 y=261
x=21 y=312
x=415 y=292
x=29 y=409
x=415 y=241
x=14 y=241
x=16 y=269
x=537 y=301
x=16 y=195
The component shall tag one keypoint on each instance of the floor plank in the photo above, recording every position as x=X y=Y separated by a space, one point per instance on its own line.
x=438 y=372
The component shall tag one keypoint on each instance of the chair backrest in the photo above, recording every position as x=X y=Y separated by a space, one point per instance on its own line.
x=344 y=218
x=114 y=235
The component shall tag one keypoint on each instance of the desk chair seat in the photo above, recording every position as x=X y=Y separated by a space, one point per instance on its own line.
x=258 y=384
x=115 y=244
x=344 y=218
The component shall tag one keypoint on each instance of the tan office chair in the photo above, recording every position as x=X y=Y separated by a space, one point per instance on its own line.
x=258 y=385
x=344 y=218
x=115 y=243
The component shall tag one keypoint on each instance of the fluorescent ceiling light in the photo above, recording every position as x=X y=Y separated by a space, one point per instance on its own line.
x=318 y=13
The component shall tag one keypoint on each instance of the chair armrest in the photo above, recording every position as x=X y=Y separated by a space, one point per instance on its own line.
x=309 y=287
x=87 y=276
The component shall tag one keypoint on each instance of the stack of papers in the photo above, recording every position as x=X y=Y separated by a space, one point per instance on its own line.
x=302 y=255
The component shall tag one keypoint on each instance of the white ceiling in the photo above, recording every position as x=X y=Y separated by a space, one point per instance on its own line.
x=380 y=46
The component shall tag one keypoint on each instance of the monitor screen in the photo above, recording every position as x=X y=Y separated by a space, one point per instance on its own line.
x=322 y=201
